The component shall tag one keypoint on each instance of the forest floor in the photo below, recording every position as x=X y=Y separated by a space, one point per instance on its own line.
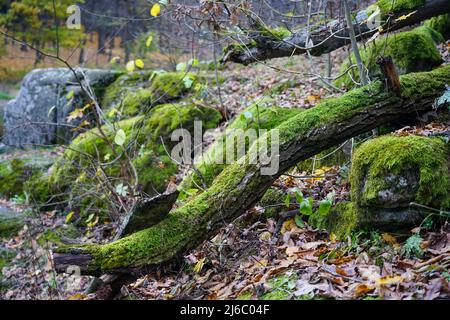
x=254 y=257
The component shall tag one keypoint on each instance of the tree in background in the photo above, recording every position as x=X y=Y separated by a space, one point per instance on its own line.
x=33 y=22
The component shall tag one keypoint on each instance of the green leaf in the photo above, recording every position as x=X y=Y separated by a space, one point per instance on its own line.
x=188 y=82
x=306 y=207
x=70 y=95
x=298 y=196
x=298 y=221
x=69 y=217
x=287 y=200
x=248 y=115
x=120 y=137
x=181 y=67
x=149 y=41
x=193 y=62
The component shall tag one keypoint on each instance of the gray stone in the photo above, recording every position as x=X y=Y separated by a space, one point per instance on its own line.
x=38 y=115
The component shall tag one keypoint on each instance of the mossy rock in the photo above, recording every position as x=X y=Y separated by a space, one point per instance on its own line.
x=134 y=94
x=123 y=85
x=411 y=51
x=55 y=236
x=212 y=162
x=387 y=175
x=73 y=171
x=16 y=169
x=10 y=223
x=440 y=24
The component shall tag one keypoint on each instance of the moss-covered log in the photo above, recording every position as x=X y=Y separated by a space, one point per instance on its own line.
x=212 y=162
x=241 y=184
x=324 y=38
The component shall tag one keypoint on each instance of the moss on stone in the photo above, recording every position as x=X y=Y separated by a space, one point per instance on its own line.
x=440 y=24
x=124 y=85
x=134 y=94
x=73 y=171
x=10 y=223
x=390 y=155
x=54 y=236
x=254 y=117
x=342 y=220
x=19 y=168
x=411 y=51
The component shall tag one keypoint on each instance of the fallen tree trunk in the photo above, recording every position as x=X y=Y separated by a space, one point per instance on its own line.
x=320 y=39
x=241 y=184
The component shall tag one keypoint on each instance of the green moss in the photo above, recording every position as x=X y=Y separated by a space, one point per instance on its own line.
x=10 y=224
x=396 y=6
x=254 y=117
x=54 y=235
x=440 y=24
x=391 y=155
x=273 y=201
x=73 y=172
x=16 y=171
x=186 y=226
x=245 y=296
x=124 y=85
x=278 y=33
x=341 y=220
x=411 y=51
x=131 y=97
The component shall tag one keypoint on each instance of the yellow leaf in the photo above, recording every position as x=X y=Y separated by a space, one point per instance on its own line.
x=69 y=217
x=287 y=225
x=139 y=63
x=265 y=236
x=156 y=9
x=149 y=41
x=107 y=157
x=389 y=280
x=333 y=237
x=77 y=296
x=389 y=239
x=130 y=66
x=362 y=289
x=199 y=265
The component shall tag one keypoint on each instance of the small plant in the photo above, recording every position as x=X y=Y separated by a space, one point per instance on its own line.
x=307 y=204
x=412 y=247
x=19 y=199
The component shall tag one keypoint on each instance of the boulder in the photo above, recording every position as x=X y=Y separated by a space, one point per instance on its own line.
x=18 y=167
x=395 y=182
x=38 y=115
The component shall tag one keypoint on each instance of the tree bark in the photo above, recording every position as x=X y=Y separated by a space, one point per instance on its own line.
x=331 y=36
x=241 y=184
